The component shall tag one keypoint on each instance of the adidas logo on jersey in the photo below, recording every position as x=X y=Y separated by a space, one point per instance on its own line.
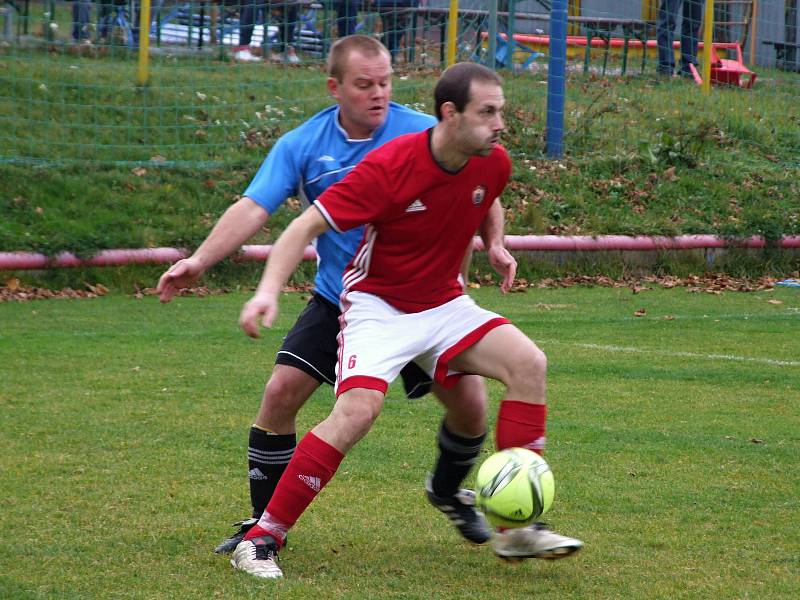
x=312 y=482
x=416 y=206
x=257 y=474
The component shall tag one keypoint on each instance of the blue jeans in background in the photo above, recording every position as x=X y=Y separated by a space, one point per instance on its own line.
x=346 y=16
x=691 y=16
x=81 y=12
x=396 y=22
x=286 y=16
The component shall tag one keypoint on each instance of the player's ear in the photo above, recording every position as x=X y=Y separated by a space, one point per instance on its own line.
x=448 y=110
x=333 y=87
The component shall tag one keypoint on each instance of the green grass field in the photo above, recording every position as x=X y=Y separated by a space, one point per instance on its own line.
x=674 y=438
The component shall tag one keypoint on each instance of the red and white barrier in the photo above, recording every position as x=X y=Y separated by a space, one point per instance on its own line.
x=11 y=261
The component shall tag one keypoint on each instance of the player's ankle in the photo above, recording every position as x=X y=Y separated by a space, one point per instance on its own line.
x=258 y=531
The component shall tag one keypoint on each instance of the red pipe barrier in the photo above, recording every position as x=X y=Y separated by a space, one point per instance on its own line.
x=597 y=42
x=13 y=261
x=585 y=243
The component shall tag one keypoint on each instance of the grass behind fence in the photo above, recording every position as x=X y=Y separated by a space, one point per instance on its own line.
x=90 y=161
x=673 y=437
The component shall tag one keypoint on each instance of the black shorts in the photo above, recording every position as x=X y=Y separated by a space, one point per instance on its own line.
x=311 y=346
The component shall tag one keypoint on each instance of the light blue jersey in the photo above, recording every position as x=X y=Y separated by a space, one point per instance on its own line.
x=310 y=158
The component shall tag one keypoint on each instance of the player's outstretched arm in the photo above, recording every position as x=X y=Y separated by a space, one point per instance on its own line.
x=284 y=257
x=492 y=233
x=237 y=225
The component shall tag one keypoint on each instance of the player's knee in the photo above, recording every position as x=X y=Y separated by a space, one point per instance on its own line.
x=358 y=410
x=283 y=395
x=528 y=369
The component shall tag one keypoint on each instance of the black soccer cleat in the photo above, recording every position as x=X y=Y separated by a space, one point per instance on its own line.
x=229 y=545
x=470 y=523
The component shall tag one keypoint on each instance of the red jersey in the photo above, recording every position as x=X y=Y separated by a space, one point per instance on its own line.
x=419 y=217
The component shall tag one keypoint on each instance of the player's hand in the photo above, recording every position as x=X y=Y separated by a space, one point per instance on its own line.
x=181 y=275
x=262 y=306
x=505 y=265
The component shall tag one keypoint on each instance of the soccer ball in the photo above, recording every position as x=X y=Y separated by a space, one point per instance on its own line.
x=514 y=487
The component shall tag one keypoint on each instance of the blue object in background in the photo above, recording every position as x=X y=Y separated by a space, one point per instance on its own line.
x=556 y=79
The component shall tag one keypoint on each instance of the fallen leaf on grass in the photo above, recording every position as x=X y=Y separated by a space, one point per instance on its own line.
x=17 y=292
x=98 y=289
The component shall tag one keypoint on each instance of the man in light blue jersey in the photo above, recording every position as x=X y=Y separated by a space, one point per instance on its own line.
x=304 y=162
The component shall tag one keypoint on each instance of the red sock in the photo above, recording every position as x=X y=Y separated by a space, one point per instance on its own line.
x=521 y=425
x=313 y=465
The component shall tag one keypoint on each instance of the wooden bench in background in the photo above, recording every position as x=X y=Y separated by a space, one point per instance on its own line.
x=786 y=55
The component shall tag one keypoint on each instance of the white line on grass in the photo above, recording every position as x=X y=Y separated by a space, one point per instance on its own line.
x=633 y=350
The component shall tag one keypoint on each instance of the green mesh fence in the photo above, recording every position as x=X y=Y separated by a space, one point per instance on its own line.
x=69 y=93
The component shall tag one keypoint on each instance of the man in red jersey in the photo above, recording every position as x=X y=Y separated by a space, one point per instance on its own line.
x=421 y=197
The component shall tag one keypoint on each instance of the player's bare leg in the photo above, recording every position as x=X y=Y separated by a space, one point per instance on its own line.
x=315 y=462
x=507 y=355
x=272 y=441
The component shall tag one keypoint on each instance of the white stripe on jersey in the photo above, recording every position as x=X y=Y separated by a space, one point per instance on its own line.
x=360 y=269
x=333 y=172
x=327 y=217
x=358 y=259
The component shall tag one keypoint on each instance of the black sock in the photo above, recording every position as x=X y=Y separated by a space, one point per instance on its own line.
x=267 y=457
x=457 y=454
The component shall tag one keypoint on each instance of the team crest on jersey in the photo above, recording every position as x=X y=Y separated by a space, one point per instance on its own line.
x=478 y=194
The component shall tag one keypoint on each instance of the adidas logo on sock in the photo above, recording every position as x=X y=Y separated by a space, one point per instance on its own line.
x=257 y=474
x=312 y=482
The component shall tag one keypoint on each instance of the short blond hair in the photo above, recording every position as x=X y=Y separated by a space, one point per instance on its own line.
x=341 y=50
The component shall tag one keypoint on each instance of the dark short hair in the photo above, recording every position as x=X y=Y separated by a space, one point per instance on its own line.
x=454 y=84
x=341 y=50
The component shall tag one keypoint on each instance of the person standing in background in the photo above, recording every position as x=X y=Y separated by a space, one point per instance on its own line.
x=691 y=17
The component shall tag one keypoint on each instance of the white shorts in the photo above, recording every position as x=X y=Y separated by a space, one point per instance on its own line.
x=377 y=340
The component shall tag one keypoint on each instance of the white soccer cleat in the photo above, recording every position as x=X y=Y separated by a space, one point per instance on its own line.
x=243 y=54
x=535 y=541
x=291 y=56
x=258 y=557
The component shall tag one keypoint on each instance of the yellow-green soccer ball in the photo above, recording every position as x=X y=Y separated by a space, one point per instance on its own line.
x=514 y=487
